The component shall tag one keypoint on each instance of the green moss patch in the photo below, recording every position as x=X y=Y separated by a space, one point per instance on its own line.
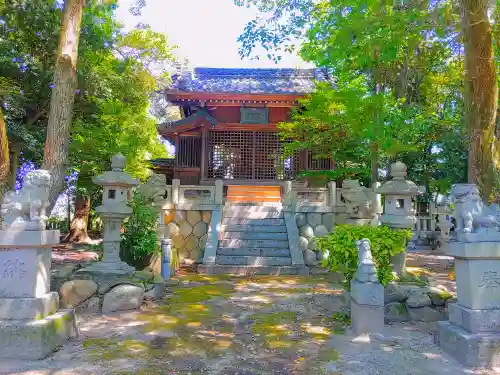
x=201 y=293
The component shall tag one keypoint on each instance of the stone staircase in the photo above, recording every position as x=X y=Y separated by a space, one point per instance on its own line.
x=253 y=239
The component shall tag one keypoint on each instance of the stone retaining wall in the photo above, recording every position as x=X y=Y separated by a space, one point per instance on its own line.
x=312 y=225
x=188 y=231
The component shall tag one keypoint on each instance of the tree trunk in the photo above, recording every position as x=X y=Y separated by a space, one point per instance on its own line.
x=481 y=95
x=56 y=153
x=78 y=227
x=4 y=157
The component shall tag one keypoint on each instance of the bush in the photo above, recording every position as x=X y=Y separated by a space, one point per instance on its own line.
x=139 y=239
x=343 y=256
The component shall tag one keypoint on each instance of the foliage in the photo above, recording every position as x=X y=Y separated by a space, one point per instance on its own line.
x=342 y=252
x=139 y=238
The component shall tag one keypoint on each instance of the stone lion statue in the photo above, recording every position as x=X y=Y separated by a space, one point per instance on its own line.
x=471 y=214
x=26 y=210
x=154 y=188
x=358 y=200
x=366 y=267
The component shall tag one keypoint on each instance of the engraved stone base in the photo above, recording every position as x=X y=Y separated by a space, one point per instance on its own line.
x=366 y=319
x=36 y=339
x=367 y=293
x=29 y=308
x=474 y=320
x=470 y=349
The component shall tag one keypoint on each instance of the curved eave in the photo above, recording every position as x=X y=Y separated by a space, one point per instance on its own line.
x=228 y=98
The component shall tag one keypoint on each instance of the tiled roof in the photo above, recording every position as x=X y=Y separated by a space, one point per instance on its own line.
x=162 y=162
x=249 y=81
x=200 y=113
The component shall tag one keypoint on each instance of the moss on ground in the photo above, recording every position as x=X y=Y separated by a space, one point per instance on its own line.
x=200 y=293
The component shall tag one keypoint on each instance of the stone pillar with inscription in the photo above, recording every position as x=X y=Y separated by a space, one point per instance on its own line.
x=114 y=209
x=472 y=334
x=31 y=327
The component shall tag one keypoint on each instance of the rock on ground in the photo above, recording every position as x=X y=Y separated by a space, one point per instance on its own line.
x=74 y=292
x=122 y=297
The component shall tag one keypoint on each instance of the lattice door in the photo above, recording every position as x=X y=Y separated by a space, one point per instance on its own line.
x=248 y=155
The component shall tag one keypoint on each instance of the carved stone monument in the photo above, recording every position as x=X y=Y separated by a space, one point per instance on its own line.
x=398 y=206
x=31 y=327
x=472 y=334
x=367 y=294
x=116 y=189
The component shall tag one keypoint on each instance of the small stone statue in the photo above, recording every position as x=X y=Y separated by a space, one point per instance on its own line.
x=366 y=267
x=471 y=214
x=26 y=210
x=154 y=188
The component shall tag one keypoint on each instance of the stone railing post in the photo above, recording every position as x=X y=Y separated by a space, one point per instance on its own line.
x=367 y=294
x=219 y=192
x=332 y=193
x=287 y=194
x=175 y=190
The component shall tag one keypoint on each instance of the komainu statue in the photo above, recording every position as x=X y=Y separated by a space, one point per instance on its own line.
x=26 y=209
x=359 y=202
x=366 y=267
x=472 y=215
x=154 y=188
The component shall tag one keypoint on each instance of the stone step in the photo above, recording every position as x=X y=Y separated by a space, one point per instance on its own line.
x=253 y=212
x=239 y=243
x=253 y=228
x=252 y=261
x=215 y=269
x=248 y=251
x=254 y=236
x=257 y=222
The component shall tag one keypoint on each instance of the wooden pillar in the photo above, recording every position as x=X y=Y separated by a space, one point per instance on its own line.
x=203 y=163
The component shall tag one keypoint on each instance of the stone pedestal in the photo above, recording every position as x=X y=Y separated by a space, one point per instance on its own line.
x=30 y=325
x=472 y=334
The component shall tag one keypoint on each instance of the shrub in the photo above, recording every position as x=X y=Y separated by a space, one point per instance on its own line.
x=139 y=239
x=343 y=256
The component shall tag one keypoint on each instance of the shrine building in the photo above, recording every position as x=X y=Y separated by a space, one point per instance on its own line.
x=228 y=125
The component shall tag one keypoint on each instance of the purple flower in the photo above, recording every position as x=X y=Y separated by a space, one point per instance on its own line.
x=77 y=91
x=51 y=85
x=38 y=33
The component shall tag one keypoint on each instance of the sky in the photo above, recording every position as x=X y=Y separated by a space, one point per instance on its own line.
x=205 y=31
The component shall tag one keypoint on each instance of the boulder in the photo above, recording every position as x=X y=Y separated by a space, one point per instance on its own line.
x=310 y=258
x=418 y=298
x=303 y=243
x=179 y=216
x=157 y=292
x=397 y=292
x=191 y=243
x=314 y=219
x=396 y=312
x=320 y=255
x=306 y=231
x=123 y=297
x=425 y=314
x=438 y=296
x=171 y=230
x=90 y=306
x=196 y=255
x=61 y=273
x=193 y=217
x=311 y=245
x=185 y=229
x=320 y=231
x=200 y=229
x=74 y=292
x=300 y=219
x=329 y=221
x=206 y=216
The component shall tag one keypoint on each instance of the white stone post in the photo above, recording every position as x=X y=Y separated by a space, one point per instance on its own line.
x=444 y=220
x=219 y=192
x=367 y=294
x=287 y=194
x=332 y=193
x=30 y=325
x=175 y=191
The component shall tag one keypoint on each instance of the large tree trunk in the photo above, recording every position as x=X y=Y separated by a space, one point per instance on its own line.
x=4 y=157
x=79 y=224
x=56 y=152
x=481 y=95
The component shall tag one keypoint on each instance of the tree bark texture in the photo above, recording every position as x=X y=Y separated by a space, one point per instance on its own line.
x=79 y=224
x=4 y=157
x=481 y=95
x=56 y=153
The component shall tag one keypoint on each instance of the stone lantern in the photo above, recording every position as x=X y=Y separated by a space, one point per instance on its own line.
x=444 y=220
x=116 y=190
x=399 y=212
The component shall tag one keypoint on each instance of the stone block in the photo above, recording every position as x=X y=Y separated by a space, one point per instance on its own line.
x=303 y=243
x=171 y=230
x=314 y=219
x=90 y=306
x=191 y=243
x=311 y=244
x=306 y=231
x=329 y=221
x=367 y=293
x=193 y=217
x=200 y=229
x=470 y=349
x=396 y=312
x=36 y=339
x=366 y=319
x=178 y=241
x=179 y=216
x=29 y=308
x=474 y=320
x=418 y=298
x=425 y=314
x=478 y=283
x=203 y=241
x=320 y=231
x=206 y=216
x=185 y=229
x=25 y=273
x=300 y=219
x=310 y=258
x=123 y=297
x=75 y=292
